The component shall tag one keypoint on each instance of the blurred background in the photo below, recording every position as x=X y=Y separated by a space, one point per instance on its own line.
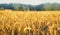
x=32 y=5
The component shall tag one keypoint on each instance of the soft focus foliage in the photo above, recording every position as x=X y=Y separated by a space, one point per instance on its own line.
x=22 y=7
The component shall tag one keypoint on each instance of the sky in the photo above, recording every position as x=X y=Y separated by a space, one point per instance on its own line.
x=32 y=2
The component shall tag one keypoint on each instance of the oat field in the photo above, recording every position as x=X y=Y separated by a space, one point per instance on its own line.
x=29 y=22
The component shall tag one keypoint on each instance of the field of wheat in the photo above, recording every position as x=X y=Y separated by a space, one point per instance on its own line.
x=29 y=22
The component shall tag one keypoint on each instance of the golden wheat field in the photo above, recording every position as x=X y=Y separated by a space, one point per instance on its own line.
x=29 y=22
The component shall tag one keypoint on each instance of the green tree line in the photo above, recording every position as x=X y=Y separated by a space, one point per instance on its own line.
x=22 y=7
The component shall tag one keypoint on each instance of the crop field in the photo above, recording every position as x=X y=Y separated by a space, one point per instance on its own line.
x=29 y=22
